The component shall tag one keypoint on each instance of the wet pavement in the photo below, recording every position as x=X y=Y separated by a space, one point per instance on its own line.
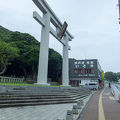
x=91 y=111
x=111 y=107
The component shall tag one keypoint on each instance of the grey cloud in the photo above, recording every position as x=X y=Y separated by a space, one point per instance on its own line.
x=93 y=23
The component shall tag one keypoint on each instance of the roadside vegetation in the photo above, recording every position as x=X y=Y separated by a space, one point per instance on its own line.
x=26 y=84
x=19 y=54
x=112 y=77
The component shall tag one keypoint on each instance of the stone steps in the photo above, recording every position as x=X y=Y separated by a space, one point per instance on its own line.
x=38 y=103
x=22 y=99
x=35 y=97
x=37 y=100
x=29 y=96
x=33 y=103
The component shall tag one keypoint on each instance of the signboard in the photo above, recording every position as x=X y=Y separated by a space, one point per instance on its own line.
x=83 y=68
x=63 y=30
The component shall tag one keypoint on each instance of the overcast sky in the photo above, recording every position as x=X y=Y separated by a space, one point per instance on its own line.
x=93 y=23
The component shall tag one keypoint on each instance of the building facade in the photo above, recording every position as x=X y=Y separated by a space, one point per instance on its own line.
x=82 y=72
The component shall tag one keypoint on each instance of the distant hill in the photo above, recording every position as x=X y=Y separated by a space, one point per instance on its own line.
x=27 y=63
x=4 y=33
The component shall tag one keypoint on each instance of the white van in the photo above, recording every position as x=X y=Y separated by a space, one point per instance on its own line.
x=92 y=86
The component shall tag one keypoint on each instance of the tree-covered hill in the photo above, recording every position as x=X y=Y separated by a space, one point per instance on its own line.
x=4 y=34
x=25 y=60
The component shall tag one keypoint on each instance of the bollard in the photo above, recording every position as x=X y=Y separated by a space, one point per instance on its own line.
x=78 y=105
x=75 y=109
x=69 y=115
x=82 y=102
x=3 y=89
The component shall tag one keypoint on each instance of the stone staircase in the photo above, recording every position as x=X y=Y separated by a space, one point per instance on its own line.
x=28 y=96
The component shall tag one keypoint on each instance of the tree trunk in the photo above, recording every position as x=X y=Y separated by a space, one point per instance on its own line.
x=4 y=67
x=25 y=73
x=33 y=73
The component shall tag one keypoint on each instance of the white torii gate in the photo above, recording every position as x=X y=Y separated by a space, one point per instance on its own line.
x=50 y=17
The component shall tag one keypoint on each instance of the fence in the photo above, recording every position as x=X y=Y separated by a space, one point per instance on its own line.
x=10 y=80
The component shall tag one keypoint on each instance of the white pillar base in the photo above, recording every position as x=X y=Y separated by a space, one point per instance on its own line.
x=65 y=85
x=46 y=84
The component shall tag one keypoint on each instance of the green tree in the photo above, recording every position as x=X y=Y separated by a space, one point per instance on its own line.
x=118 y=75
x=7 y=54
x=111 y=76
x=26 y=63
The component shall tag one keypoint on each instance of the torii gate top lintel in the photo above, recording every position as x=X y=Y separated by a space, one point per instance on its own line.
x=45 y=8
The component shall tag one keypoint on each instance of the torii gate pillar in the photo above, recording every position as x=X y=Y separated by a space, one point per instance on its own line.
x=65 y=64
x=44 y=49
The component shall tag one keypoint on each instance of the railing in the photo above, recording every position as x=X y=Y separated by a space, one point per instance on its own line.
x=116 y=91
x=10 y=80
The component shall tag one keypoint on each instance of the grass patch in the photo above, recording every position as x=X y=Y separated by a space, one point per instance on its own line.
x=25 y=84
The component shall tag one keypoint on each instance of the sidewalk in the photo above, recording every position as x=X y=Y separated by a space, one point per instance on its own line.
x=111 y=107
x=91 y=111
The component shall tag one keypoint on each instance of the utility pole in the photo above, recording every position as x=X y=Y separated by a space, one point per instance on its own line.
x=119 y=10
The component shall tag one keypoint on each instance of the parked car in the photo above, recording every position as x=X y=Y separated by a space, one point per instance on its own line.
x=92 y=86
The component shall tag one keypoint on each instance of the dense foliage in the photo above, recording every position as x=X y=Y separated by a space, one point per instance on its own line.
x=7 y=53
x=111 y=76
x=24 y=51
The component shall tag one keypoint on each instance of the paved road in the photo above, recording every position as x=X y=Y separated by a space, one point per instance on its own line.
x=102 y=106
